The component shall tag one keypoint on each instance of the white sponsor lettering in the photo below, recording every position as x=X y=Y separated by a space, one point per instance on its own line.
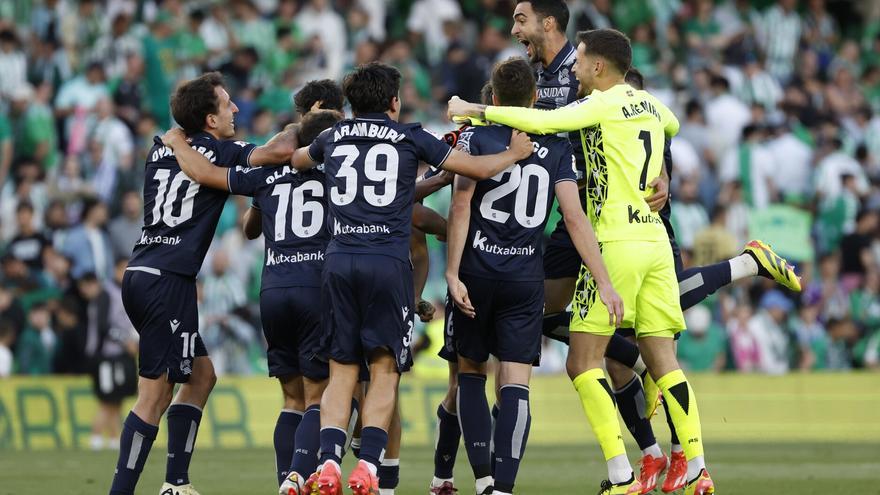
x=481 y=243
x=339 y=228
x=273 y=258
x=158 y=239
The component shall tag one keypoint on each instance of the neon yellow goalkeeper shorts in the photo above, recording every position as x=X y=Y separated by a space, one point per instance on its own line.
x=643 y=274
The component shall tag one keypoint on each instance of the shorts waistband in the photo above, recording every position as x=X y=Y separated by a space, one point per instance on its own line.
x=152 y=271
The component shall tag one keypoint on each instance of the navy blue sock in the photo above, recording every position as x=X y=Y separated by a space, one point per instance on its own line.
x=285 y=433
x=183 y=426
x=622 y=350
x=631 y=404
x=332 y=444
x=475 y=422
x=134 y=447
x=511 y=435
x=673 y=437
x=389 y=474
x=698 y=283
x=373 y=443
x=495 y=412
x=446 y=447
x=307 y=442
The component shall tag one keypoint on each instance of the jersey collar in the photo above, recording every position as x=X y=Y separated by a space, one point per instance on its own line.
x=380 y=117
x=560 y=57
x=203 y=135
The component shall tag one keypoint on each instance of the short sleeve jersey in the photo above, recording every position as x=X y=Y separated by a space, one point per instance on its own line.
x=180 y=216
x=370 y=165
x=623 y=132
x=509 y=211
x=293 y=214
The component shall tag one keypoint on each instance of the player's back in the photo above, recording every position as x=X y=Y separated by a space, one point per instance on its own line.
x=180 y=216
x=624 y=151
x=509 y=211
x=371 y=163
x=293 y=216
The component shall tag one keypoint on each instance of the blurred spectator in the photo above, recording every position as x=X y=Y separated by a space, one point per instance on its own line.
x=752 y=166
x=703 y=347
x=688 y=215
x=318 y=19
x=112 y=142
x=70 y=357
x=223 y=297
x=813 y=340
x=38 y=343
x=714 y=243
x=426 y=25
x=13 y=63
x=768 y=326
x=779 y=35
x=33 y=126
x=125 y=229
x=855 y=248
x=726 y=116
x=7 y=337
x=75 y=101
x=28 y=243
x=88 y=244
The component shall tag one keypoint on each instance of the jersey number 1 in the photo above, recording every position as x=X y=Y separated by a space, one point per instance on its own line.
x=645 y=138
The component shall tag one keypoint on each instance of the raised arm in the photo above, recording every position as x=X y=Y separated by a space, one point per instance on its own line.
x=428 y=220
x=279 y=149
x=531 y=120
x=429 y=186
x=456 y=237
x=486 y=166
x=587 y=246
x=193 y=163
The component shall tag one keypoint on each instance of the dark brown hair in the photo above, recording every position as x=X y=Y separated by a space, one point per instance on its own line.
x=194 y=100
x=610 y=44
x=513 y=82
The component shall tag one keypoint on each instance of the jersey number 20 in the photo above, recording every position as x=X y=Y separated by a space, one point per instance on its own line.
x=520 y=181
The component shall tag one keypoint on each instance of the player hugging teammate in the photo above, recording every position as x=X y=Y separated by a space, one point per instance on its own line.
x=336 y=200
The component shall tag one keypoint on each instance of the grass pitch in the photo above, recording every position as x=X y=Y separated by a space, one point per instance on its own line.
x=738 y=469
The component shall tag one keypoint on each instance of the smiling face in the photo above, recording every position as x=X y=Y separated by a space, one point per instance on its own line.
x=223 y=122
x=585 y=69
x=528 y=29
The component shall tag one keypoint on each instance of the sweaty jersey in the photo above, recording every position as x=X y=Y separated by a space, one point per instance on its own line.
x=558 y=87
x=509 y=211
x=180 y=216
x=623 y=131
x=294 y=221
x=370 y=165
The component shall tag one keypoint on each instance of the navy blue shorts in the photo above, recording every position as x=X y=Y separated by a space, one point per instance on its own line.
x=447 y=352
x=508 y=321
x=164 y=311
x=561 y=259
x=368 y=305
x=291 y=318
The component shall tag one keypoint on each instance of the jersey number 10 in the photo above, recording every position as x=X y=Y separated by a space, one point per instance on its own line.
x=167 y=196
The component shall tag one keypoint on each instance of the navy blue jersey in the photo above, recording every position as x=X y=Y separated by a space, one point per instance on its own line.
x=371 y=164
x=558 y=87
x=293 y=210
x=509 y=211
x=180 y=216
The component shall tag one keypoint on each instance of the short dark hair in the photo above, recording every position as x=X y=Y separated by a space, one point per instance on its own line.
x=371 y=87
x=556 y=9
x=513 y=82
x=635 y=78
x=325 y=90
x=314 y=123
x=194 y=100
x=610 y=44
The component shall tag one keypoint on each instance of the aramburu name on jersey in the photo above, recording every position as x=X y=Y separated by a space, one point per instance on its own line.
x=481 y=244
x=367 y=129
x=273 y=258
x=340 y=228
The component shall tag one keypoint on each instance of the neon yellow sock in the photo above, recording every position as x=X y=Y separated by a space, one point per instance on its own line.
x=599 y=406
x=682 y=405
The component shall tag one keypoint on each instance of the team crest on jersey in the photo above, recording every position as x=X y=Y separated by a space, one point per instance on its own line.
x=186 y=367
x=564 y=77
